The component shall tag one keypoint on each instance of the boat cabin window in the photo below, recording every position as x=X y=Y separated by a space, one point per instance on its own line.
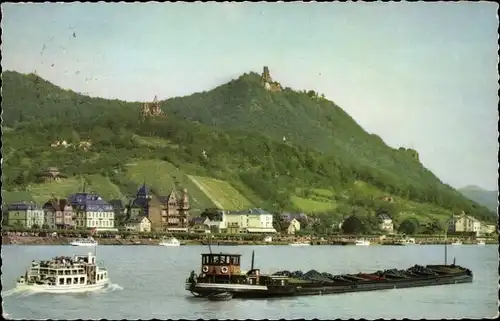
x=68 y=281
x=220 y=259
x=75 y=280
x=105 y=274
x=61 y=281
x=235 y=260
x=82 y=280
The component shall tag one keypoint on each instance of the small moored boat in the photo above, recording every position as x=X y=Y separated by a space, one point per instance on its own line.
x=90 y=241
x=300 y=244
x=405 y=241
x=170 y=242
x=481 y=242
x=457 y=242
x=362 y=242
x=268 y=239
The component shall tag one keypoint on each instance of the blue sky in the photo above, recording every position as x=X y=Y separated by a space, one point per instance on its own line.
x=420 y=75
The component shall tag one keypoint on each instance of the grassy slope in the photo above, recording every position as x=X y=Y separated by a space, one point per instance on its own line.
x=104 y=186
x=42 y=192
x=159 y=175
x=16 y=196
x=421 y=211
x=96 y=183
x=223 y=194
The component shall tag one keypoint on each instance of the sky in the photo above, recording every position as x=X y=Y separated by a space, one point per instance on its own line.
x=420 y=75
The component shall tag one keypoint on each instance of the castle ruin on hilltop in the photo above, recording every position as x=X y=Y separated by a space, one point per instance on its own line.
x=151 y=109
x=268 y=82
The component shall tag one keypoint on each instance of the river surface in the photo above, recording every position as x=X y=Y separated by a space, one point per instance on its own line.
x=148 y=282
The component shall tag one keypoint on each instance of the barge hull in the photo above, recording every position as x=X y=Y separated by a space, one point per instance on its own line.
x=261 y=291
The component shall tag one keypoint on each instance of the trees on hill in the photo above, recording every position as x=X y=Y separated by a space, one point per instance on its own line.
x=409 y=226
x=353 y=225
x=242 y=138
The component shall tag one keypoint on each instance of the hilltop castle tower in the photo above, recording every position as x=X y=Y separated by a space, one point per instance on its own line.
x=267 y=81
x=151 y=109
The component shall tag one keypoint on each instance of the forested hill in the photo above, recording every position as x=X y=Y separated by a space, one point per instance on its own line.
x=239 y=125
x=30 y=97
x=306 y=119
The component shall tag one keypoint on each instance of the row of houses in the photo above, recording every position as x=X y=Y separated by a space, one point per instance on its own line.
x=255 y=220
x=146 y=212
x=467 y=223
x=458 y=224
x=89 y=210
x=82 y=210
x=385 y=223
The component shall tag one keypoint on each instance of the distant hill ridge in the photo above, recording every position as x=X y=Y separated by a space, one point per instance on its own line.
x=481 y=196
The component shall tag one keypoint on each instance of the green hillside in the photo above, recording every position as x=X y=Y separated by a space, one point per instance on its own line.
x=162 y=176
x=307 y=120
x=30 y=97
x=222 y=193
x=327 y=164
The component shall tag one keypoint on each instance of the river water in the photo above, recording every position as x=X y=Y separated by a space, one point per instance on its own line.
x=148 y=282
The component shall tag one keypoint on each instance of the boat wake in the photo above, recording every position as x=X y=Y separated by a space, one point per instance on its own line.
x=112 y=287
x=18 y=292
x=23 y=292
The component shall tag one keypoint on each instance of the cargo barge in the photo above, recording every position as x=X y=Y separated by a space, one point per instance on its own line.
x=221 y=273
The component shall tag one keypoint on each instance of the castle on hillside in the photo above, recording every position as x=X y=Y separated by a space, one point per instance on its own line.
x=410 y=151
x=268 y=82
x=151 y=109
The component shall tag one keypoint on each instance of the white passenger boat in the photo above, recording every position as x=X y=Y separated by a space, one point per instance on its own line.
x=362 y=242
x=457 y=242
x=84 y=242
x=64 y=274
x=268 y=239
x=170 y=242
x=481 y=242
x=406 y=241
x=300 y=244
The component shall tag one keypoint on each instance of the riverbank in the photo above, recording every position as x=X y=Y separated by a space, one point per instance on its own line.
x=36 y=240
